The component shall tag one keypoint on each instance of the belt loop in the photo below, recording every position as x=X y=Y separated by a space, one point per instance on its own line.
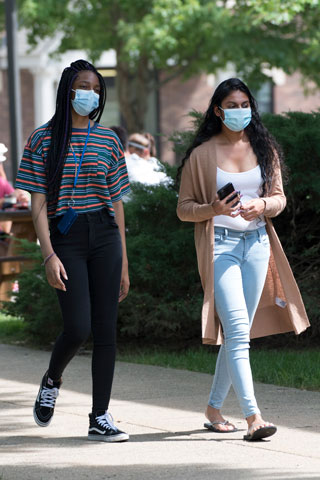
x=259 y=235
x=225 y=233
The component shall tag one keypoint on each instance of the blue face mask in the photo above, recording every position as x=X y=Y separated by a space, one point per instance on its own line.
x=85 y=101
x=236 y=119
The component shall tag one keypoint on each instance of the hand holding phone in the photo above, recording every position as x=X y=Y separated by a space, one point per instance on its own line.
x=225 y=191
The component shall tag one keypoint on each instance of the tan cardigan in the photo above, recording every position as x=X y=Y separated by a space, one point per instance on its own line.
x=281 y=307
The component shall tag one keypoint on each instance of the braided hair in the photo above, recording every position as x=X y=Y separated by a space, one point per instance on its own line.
x=262 y=142
x=60 y=125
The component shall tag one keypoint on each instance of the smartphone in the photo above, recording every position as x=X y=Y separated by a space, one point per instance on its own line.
x=224 y=191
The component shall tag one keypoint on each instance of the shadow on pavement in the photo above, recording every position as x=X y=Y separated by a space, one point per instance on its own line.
x=200 y=471
x=160 y=387
x=31 y=442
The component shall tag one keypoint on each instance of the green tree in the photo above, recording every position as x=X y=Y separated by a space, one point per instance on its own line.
x=157 y=40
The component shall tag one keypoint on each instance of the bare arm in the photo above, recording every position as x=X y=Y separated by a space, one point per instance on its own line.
x=2 y=172
x=125 y=282
x=54 y=267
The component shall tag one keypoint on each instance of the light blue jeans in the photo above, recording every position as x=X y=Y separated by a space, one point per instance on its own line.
x=240 y=267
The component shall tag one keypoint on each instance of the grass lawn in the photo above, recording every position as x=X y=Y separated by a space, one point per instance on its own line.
x=288 y=368
x=12 y=330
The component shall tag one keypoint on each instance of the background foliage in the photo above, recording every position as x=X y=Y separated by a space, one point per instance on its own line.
x=299 y=225
x=164 y=303
x=36 y=302
x=156 y=40
x=166 y=296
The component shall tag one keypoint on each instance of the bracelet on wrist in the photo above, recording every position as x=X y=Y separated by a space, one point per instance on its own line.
x=46 y=260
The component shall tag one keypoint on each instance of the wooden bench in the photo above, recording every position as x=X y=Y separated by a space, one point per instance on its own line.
x=12 y=262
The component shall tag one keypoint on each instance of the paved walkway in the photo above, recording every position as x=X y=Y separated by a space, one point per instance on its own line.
x=162 y=410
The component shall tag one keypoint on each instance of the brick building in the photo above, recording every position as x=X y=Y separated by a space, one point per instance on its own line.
x=168 y=108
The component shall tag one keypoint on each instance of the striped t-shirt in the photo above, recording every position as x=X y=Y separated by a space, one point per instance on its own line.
x=103 y=177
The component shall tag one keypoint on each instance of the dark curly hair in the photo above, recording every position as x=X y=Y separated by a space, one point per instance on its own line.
x=262 y=142
x=60 y=125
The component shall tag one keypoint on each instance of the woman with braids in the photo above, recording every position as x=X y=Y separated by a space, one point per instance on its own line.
x=76 y=173
x=247 y=281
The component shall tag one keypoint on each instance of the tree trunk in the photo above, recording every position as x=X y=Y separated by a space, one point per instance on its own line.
x=133 y=89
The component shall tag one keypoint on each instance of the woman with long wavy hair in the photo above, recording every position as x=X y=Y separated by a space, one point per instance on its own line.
x=231 y=186
x=76 y=173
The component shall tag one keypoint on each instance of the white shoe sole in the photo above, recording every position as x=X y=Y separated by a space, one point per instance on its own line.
x=38 y=422
x=122 y=437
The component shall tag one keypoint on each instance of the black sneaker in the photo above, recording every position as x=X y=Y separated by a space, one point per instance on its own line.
x=103 y=429
x=45 y=402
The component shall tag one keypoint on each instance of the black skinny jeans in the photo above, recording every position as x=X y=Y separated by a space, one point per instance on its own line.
x=92 y=257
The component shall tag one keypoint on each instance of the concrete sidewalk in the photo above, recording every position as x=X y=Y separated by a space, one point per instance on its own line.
x=162 y=410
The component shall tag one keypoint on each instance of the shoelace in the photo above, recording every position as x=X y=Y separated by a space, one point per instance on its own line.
x=106 y=420
x=48 y=397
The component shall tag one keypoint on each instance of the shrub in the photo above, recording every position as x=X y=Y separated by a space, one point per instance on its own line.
x=164 y=303
x=165 y=298
x=299 y=225
x=36 y=302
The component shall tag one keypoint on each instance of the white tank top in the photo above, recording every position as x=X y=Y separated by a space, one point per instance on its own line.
x=249 y=184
